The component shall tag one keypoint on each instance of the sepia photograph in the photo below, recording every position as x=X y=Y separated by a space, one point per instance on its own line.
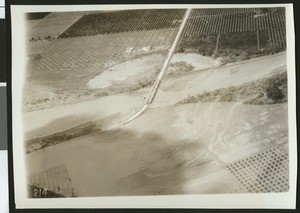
x=153 y=102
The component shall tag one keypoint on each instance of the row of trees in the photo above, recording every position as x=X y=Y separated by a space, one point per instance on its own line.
x=124 y=21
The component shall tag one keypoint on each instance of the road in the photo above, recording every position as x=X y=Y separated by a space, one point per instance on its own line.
x=163 y=70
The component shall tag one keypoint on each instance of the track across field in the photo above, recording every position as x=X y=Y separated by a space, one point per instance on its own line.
x=101 y=50
x=124 y=21
x=121 y=36
x=201 y=22
x=224 y=21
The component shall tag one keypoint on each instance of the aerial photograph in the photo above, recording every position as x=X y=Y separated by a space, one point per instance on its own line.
x=147 y=102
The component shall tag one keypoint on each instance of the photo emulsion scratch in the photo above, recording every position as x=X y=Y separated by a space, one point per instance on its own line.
x=156 y=102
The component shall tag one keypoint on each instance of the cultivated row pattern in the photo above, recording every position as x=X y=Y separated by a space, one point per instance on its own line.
x=56 y=180
x=124 y=21
x=53 y=25
x=266 y=171
x=215 y=21
x=123 y=29
x=101 y=50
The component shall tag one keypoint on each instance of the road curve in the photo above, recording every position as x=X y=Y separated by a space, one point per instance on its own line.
x=162 y=72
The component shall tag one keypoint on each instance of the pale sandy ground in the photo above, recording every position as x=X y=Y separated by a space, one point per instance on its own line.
x=168 y=150
x=121 y=72
x=146 y=64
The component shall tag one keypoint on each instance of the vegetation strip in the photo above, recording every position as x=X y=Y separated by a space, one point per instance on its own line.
x=35 y=144
x=268 y=90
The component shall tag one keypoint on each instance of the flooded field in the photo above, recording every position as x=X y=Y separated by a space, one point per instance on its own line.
x=171 y=149
x=179 y=151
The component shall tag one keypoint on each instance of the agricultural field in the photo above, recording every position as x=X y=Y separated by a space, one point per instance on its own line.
x=221 y=104
x=124 y=21
x=235 y=34
x=47 y=26
x=80 y=57
x=61 y=60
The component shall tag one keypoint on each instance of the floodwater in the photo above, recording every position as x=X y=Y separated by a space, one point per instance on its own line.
x=170 y=149
x=146 y=64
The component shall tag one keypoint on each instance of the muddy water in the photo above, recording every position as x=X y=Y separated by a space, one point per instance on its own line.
x=60 y=118
x=122 y=163
x=172 y=150
x=233 y=130
x=146 y=64
x=121 y=72
x=51 y=120
x=173 y=90
x=168 y=150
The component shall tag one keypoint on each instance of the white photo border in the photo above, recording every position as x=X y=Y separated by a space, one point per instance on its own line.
x=260 y=200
